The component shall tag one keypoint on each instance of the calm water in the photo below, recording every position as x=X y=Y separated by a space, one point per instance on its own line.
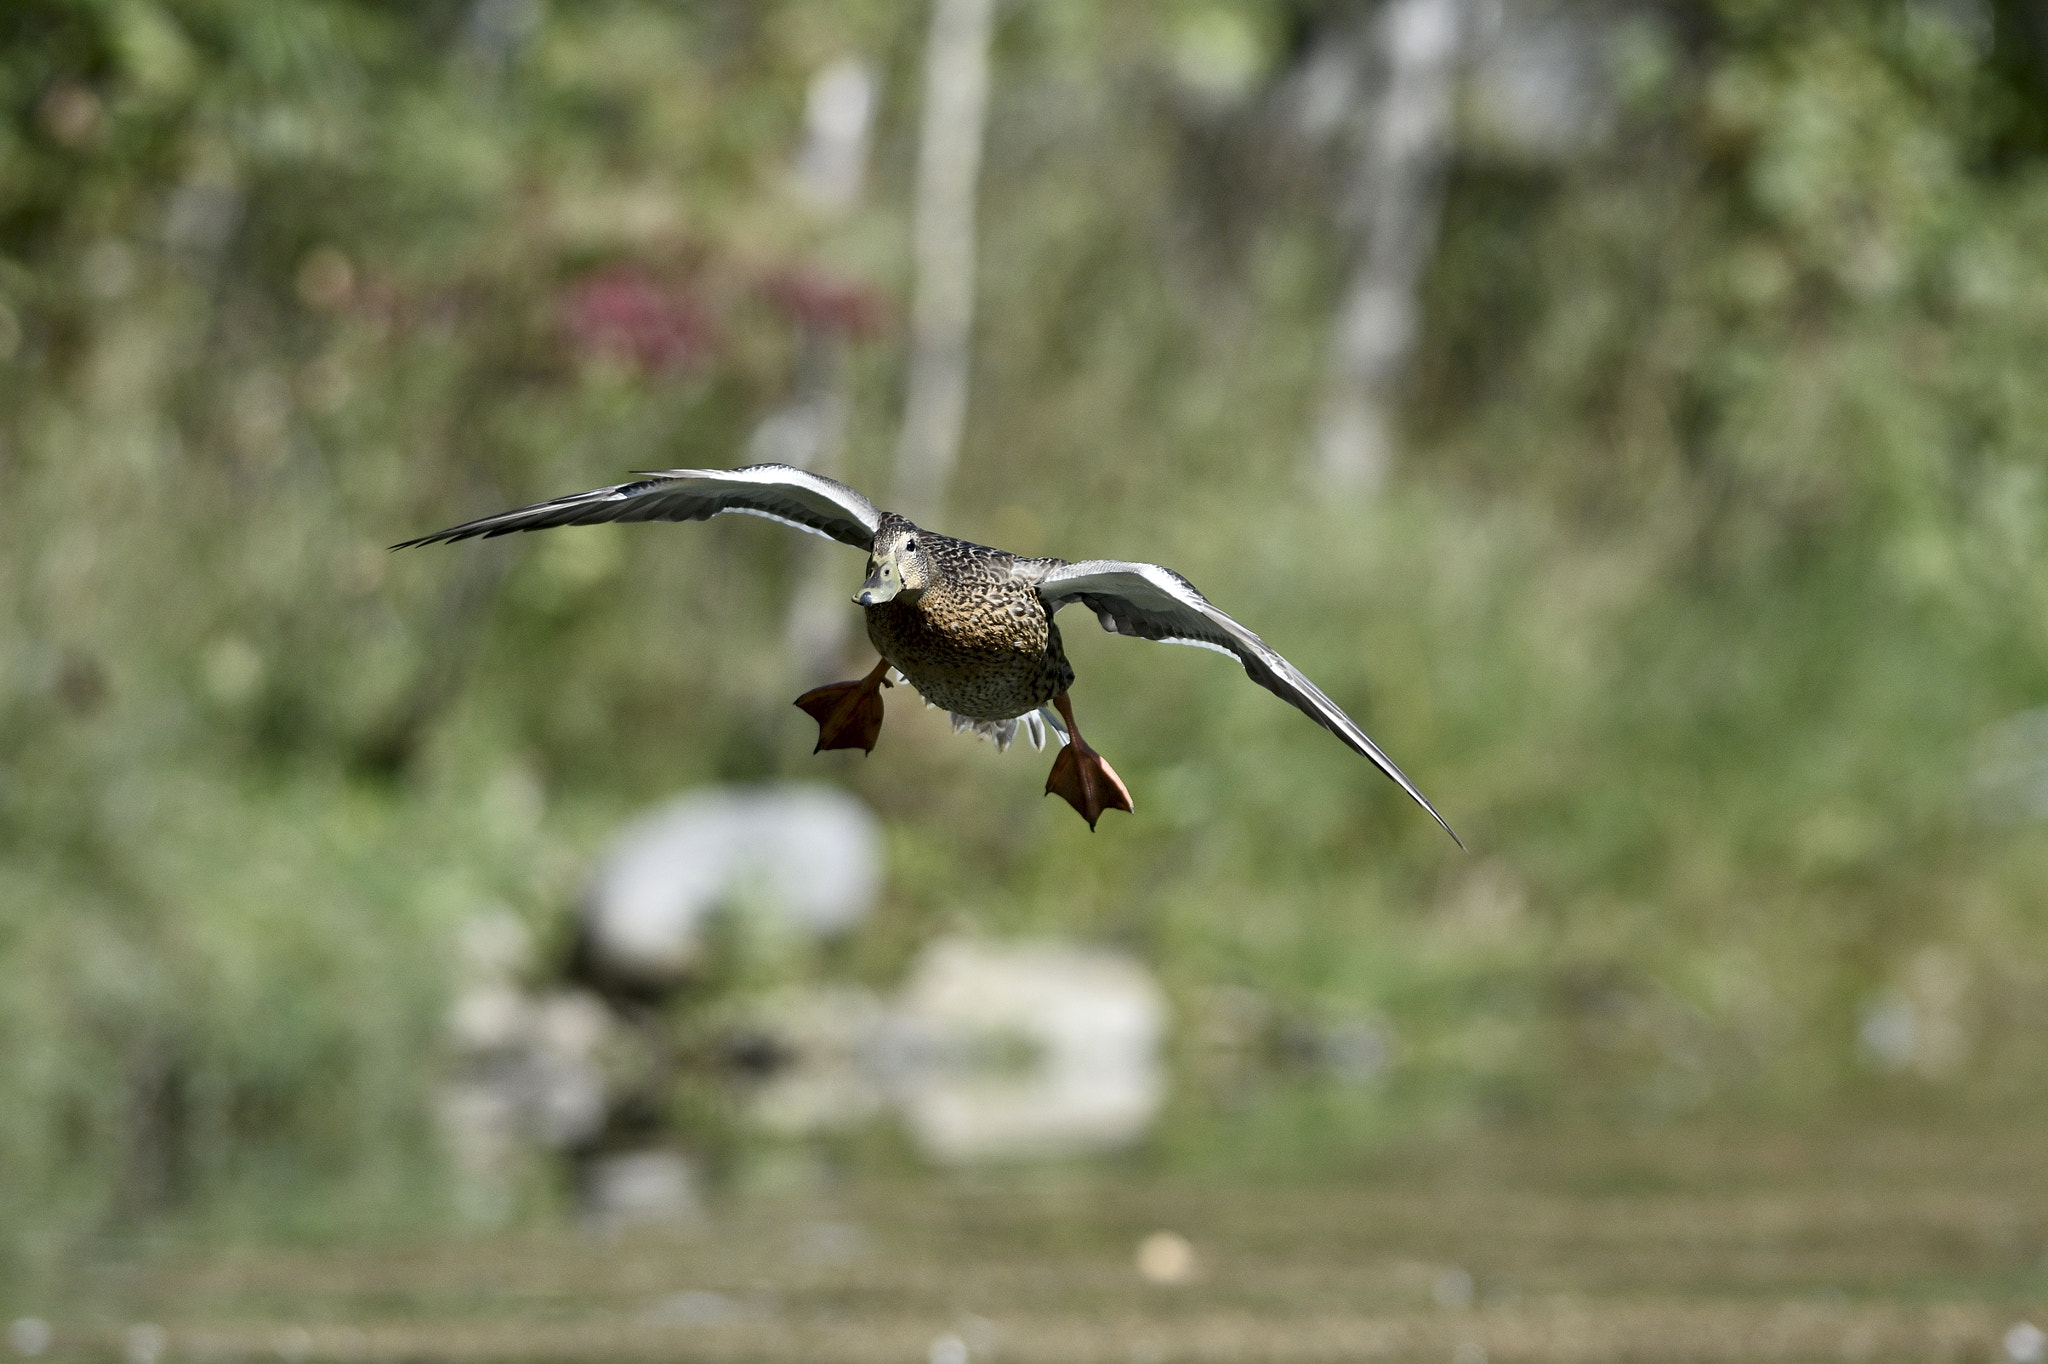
x=1682 y=1244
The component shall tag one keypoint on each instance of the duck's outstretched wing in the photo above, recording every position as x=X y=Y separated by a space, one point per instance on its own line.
x=779 y=492
x=1150 y=602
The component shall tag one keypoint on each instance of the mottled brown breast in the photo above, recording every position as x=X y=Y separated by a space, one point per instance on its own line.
x=977 y=641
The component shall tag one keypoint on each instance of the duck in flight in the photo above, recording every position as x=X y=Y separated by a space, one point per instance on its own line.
x=971 y=628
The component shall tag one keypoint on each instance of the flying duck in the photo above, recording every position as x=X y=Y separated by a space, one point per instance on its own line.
x=970 y=627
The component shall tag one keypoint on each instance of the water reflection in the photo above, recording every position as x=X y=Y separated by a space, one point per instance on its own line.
x=652 y=1187
x=663 y=1038
x=1019 y=1050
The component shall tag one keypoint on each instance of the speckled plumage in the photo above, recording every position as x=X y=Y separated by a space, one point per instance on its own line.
x=971 y=627
x=976 y=640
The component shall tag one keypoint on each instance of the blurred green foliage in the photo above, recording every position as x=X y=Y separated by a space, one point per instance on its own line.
x=1716 y=547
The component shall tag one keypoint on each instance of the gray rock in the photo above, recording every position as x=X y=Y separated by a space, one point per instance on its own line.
x=990 y=1051
x=805 y=857
x=1027 y=1050
x=653 y=1187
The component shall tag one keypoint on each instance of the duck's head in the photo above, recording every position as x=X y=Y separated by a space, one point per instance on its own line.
x=898 y=567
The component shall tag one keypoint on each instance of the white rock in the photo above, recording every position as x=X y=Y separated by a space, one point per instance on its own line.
x=565 y=1083
x=30 y=1336
x=640 y=1188
x=1165 y=1257
x=807 y=857
x=1008 y=1051
x=527 y=1070
x=488 y=1018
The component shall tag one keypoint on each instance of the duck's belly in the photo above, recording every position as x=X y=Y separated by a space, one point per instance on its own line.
x=992 y=675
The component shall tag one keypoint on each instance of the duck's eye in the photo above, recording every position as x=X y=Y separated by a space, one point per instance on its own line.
x=910 y=546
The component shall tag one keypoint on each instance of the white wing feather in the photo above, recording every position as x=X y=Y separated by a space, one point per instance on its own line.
x=778 y=492
x=1148 y=601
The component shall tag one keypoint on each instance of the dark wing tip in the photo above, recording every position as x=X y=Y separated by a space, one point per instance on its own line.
x=467 y=531
x=1401 y=779
x=1392 y=771
x=442 y=537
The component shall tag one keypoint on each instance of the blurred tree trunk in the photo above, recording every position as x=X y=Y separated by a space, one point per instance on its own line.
x=942 y=309
x=810 y=429
x=1400 y=149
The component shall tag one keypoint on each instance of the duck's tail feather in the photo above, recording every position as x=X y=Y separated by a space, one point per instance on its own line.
x=1035 y=724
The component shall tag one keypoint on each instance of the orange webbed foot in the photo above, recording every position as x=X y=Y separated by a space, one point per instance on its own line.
x=1081 y=777
x=849 y=714
x=1086 y=782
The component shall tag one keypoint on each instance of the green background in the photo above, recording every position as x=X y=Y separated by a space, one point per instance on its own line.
x=1710 y=565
